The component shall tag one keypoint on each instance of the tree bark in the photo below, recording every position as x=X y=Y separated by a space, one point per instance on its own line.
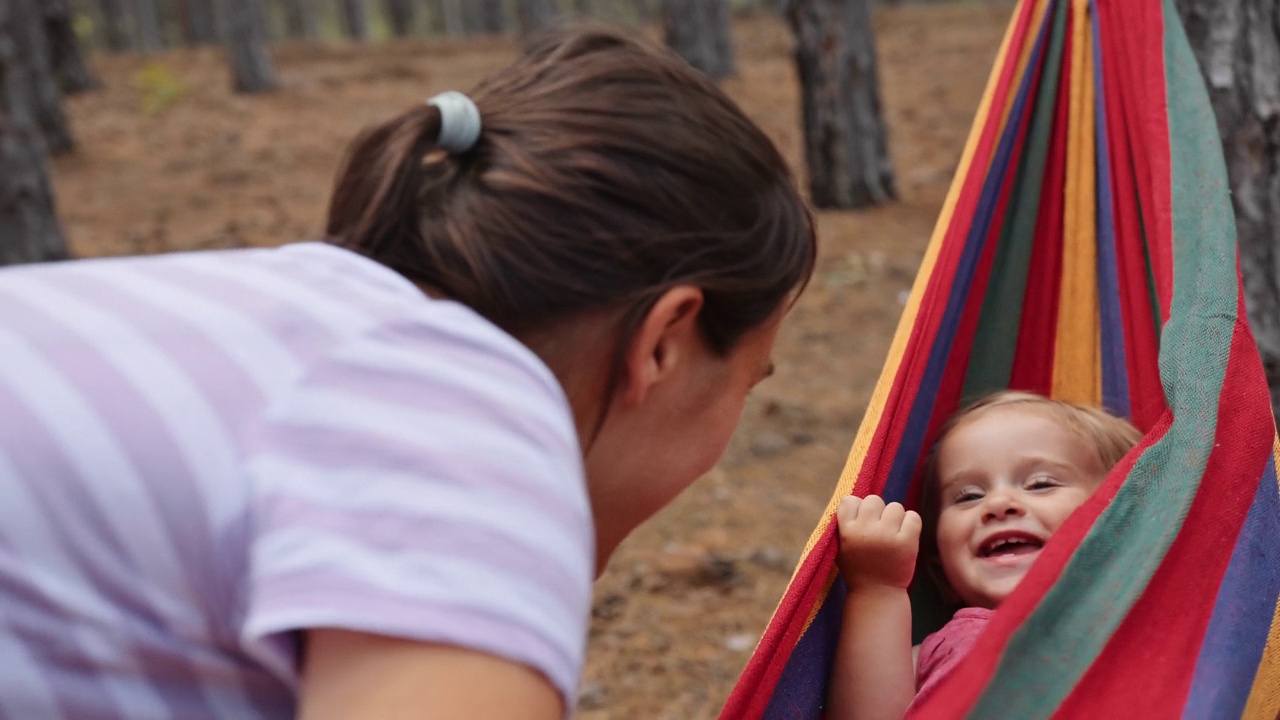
x=355 y=20
x=29 y=230
x=537 y=16
x=699 y=32
x=449 y=17
x=400 y=16
x=251 y=67
x=65 y=55
x=846 y=145
x=37 y=78
x=1237 y=43
x=150 y=29
x=115 y=15
x=300 y=19
x=484 y=17
x=199 y=22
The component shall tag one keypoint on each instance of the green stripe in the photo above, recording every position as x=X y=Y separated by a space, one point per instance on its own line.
x=996 y=340
x=1048 y=655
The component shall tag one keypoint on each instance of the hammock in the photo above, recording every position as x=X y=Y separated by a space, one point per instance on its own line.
x=1086 y=251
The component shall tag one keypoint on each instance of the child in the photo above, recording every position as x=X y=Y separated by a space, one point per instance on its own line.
x=1006 y=473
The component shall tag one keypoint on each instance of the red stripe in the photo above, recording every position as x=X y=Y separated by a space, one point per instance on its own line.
x=1163 y=632
x=1146 y=395
x=1149 y=116
x=1038 y=331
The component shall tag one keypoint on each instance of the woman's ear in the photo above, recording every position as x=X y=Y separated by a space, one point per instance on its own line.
x=666 y=340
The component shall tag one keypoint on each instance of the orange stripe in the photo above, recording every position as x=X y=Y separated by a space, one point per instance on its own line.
x=1077 y=362
x=1264 y=699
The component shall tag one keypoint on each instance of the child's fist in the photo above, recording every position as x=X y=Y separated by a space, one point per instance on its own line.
x=878 y=542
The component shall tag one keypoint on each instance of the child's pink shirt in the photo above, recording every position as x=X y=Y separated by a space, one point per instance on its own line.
x=942 y=651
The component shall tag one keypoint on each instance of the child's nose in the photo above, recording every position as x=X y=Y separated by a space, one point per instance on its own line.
x=1000 y=504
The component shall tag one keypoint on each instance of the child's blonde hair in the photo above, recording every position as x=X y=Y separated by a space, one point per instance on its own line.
x=1110 y=437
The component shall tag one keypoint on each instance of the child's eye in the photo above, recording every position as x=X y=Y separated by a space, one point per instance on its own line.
x=1039 y=482
x=967 y=495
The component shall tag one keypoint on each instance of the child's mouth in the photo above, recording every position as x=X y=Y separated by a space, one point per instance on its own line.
x=1009 y=546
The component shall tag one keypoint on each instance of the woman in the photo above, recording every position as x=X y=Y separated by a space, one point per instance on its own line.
x=375 y=477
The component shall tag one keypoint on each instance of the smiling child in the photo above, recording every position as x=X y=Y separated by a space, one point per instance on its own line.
x=1006 y=473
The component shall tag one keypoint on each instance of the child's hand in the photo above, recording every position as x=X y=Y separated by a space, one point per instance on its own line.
x=878 y=542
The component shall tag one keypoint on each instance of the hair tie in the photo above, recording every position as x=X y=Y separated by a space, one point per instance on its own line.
x=459 y=121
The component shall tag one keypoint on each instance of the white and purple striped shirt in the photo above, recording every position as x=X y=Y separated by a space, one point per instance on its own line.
x=202 y=454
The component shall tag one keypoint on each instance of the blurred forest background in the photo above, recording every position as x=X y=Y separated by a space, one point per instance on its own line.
x=144 y=126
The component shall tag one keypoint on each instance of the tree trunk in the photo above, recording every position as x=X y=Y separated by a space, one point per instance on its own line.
x=29 y=230
x=300 y=21
x=64 y=49
x=199 y=23
x=27 y=32
x=115 y=16
x=491 y=16
x=449 y=17
x=845 y=138
x=699 y=32
x=251 y=67
x=1237 y=43
x=150 y=29
x=400 y=17
x=354 y=19
x=537 y=16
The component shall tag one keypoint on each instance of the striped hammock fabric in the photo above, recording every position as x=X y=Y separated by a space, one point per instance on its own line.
x=1086 y=251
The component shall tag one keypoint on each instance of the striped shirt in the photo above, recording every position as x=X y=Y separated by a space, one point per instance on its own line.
x=202 y=454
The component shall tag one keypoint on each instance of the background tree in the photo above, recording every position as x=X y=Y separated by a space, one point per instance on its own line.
x=65 y=55
x=37 y=79
x=448 y=16
x=846 y=147
x=484 y=17
x=146 y=15
x=400 y=16
x=699 y=31
x=199 y=22
x=300 y=20
x=29 y=230
x=115 y=19
x=537 y=15
x=1237 y=43
x=354 y=19
x=251 y=67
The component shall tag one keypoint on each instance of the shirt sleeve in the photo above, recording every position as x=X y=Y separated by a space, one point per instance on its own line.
x=424 y=482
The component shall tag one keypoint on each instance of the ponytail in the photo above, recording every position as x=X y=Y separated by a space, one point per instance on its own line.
x=376 y=205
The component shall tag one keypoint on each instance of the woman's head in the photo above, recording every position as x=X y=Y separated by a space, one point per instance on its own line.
x=1006 y=473
x=614 y=199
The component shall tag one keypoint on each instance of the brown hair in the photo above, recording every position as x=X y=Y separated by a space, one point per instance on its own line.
x=607 y=172
x=1110 y=437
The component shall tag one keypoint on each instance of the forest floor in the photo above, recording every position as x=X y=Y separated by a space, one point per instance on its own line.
x=169 y=159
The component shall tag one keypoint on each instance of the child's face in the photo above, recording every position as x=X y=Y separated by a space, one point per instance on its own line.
x=1008 y=477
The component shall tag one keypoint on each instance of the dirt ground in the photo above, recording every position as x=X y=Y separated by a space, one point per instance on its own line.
x=169 y=160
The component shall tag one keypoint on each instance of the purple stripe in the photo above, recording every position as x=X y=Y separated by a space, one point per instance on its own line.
x=292 y=324
x=1243 y=612
x=149 y=446
x=346 y=449
x=1115 y=374
x=231 y=393
x=329 y=602
x=388 y=536
x=90 y=541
